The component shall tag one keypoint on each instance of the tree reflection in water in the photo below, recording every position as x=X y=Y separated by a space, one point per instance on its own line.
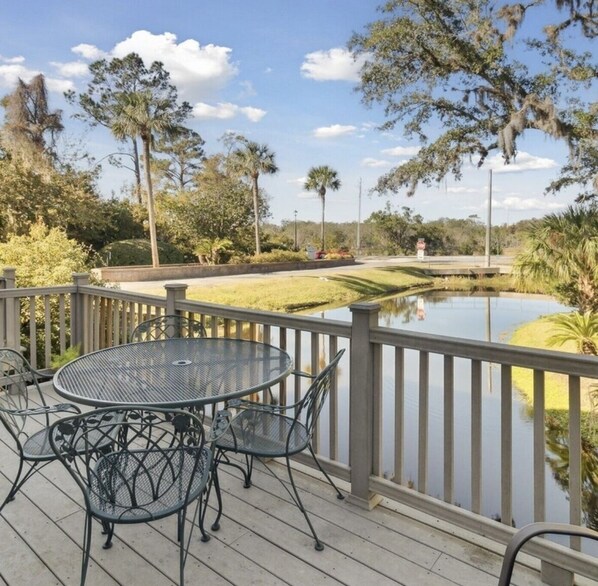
x=557 y=442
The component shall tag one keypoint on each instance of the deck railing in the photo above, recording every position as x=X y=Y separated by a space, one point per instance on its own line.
x=386 y=376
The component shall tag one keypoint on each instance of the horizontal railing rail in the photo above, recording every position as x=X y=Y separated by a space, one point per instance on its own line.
x=391 y=426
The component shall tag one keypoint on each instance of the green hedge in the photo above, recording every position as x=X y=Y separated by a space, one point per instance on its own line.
x=278 y=256
x=138 y=252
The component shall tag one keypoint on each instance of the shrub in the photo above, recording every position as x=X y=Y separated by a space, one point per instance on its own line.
x=44 y=257
x=278 y=256
x=138 y=252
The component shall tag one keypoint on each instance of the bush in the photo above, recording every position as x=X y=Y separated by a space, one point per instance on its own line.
x=138 y=252
x=44 y=257
x=336 y=255
x=278 y=256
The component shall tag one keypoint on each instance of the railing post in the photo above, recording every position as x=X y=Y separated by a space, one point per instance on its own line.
x=12 y=317
x=361 y=404
x=79 y=314
x=174 y=292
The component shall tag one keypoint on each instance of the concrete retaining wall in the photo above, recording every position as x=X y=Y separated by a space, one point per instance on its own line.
x=188 y=271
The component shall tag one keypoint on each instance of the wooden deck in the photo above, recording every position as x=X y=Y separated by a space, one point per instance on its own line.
x=263 y=540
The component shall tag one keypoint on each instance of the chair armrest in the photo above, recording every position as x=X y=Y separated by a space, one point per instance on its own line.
x=267 y=407
x=220 y=425
x=534 y=530
x=45 y=409
x=303 y=374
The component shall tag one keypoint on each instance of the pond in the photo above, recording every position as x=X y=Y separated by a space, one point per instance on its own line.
x=488 y=317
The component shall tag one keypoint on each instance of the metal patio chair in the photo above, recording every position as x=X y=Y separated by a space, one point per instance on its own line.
x=158 y=465
x=534 y=530
x=26 y=416
x=168 y=326
x=268 y=431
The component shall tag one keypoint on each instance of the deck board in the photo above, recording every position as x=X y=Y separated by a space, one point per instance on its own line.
x=263 y=540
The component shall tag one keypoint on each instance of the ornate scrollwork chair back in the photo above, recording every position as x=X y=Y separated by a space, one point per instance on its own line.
x=167 y=326
x=270 y=431
x=26 y=416
x=157 y=464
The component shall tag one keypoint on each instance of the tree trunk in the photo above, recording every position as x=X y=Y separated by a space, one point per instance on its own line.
x=137 y=171
x=323 y=240
x=256 y=214
x=150 y=203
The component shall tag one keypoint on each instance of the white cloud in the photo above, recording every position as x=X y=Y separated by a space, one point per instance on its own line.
x=402 y=151
x=90 y=52
x=334 y=131
x=298 y=180
x=226 y=111
x=523 y=162
x=59 y=85
x=462 y=190
x=526 y=204
x=71 y=69
x=336 y=64
x=370 y=162
x=13 y=70
x=18 y=59
x=197 y=71
x=247 y=89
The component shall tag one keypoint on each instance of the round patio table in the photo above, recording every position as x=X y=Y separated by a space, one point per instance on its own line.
x=177 y=372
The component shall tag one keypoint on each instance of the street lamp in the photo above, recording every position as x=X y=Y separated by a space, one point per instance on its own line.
x=295 y=212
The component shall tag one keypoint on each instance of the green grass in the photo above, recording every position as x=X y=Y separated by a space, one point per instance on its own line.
x=534 y=334
x=301 y=292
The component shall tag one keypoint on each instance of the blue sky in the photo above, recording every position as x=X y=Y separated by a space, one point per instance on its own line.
x=276 y=71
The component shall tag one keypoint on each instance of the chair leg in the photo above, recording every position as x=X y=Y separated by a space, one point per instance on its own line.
x=86 y=548
x=216 y=523
x=339 y=494
x=319 y=546
x=19 y=482
x=202 y=509
x=107 y=529
x=181 y=534
x=14 y=488
x=222 y=458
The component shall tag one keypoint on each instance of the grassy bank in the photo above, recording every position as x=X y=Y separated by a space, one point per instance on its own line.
x=304 y=291
x=296 y=293
x=534 y=334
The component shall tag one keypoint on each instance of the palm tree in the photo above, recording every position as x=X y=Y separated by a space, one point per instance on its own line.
x=142 y=114
x=581 y=328
x=562 y=254
x=249 y=161
x=319 y=179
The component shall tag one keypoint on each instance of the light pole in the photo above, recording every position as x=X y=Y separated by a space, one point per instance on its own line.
x=295 y=212
x=489 y=222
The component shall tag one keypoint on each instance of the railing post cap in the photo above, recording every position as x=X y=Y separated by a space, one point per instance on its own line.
x=176 y=286
x=9 y=271
x=365 y=307
x=80 y=277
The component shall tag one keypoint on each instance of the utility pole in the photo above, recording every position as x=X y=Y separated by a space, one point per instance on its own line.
x=359 y=220
x=489 y=222
x=295 y=212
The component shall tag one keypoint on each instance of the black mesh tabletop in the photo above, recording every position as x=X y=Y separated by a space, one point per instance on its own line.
x=177 y=372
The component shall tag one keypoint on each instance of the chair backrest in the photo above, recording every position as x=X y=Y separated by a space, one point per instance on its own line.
x=131 y=456
x=315 y=397
x=19 y=392
x=167 y=326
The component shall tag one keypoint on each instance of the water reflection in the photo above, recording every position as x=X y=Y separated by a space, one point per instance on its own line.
x=557 y=441
x=487 y=317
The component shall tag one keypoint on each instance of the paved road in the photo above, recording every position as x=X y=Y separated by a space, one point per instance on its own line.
x=364 y=262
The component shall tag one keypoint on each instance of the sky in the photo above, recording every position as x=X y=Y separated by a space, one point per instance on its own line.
x=278 y=72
